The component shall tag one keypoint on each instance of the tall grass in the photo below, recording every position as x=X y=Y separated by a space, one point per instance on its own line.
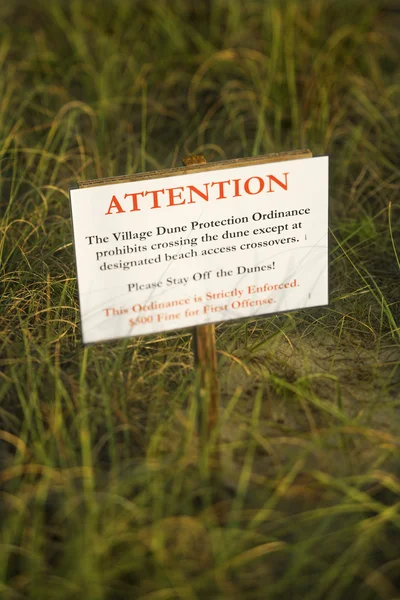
x=106 y=492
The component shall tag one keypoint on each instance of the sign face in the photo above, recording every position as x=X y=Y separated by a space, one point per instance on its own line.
x=201 y=246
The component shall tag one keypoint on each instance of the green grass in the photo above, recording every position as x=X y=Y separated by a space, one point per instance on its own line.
x=106 y=492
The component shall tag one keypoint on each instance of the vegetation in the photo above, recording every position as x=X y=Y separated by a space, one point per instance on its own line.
x=106 y=493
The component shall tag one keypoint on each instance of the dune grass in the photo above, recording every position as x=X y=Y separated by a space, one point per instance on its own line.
x=106 y=492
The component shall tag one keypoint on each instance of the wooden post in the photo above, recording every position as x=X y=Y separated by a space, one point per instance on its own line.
x=203 y=335
x=205 y=356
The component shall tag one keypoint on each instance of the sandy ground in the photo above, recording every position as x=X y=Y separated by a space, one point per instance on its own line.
x=344 y=421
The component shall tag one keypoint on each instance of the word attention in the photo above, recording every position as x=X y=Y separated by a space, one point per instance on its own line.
x=215 y=190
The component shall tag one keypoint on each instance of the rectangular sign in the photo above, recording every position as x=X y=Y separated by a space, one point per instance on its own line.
x=190 y=247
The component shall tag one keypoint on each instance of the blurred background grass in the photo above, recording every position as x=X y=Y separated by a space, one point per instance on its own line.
x=105 y=493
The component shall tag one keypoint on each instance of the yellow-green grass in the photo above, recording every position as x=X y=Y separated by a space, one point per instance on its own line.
x=105 y=490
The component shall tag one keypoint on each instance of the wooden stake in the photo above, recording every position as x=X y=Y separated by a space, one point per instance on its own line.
x=205 y=355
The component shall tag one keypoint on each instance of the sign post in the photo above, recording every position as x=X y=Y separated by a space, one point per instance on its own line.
x=205 y=357
x=201 y=244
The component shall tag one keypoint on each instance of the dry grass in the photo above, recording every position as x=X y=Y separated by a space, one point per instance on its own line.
x=105 y=493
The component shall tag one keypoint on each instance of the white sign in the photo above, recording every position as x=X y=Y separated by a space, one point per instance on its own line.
x=201 y=247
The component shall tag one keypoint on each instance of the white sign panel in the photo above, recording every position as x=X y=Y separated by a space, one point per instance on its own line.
x=206 y=246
